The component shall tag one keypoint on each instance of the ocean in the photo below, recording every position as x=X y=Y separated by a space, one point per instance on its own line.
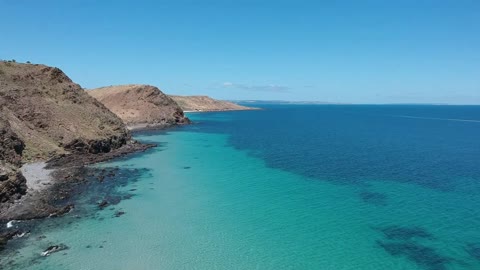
x=287 y=187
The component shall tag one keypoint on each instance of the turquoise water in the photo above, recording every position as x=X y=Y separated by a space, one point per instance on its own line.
x=290 y=187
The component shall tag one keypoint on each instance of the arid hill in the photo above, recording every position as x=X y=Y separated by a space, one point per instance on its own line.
x=53 y=115
x=44 y=114
x=206 y=104
x=140 y=106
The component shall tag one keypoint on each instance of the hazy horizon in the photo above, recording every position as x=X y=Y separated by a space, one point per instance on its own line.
x=346 y=52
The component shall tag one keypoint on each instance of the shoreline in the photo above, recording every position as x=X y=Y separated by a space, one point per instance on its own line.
x=52 y=184
x=222 y=110
x=160 y=126
x=50 y=187
x=148 y=126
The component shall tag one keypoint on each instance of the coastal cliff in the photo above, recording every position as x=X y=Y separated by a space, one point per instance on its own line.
x=12 y=182
x=53 y=115
x=43 y=114
x=140 y=106
x=207 y=104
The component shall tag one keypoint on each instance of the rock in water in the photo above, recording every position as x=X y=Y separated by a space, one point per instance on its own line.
x=140 y=106
x=10 y=224
x=62 y=211
x=102 y=204
x=6 y=236
x=119 y=213
x=53 y=249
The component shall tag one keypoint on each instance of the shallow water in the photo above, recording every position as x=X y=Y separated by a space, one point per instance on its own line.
x=290 y=187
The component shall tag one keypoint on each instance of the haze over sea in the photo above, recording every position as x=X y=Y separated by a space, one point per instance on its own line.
x=288 y=187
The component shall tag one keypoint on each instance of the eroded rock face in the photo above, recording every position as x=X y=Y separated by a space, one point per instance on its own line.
x=12 y=182
x=11 y=146
x=52 y=115
x=139 y=105
x=13 y=188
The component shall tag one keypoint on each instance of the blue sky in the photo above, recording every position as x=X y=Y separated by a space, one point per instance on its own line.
x=338 y=51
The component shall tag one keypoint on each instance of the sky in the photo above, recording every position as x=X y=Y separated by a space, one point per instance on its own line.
x=336 y=51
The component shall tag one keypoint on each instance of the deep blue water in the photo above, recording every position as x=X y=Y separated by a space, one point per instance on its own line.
x=432 y=146
x=288 y=187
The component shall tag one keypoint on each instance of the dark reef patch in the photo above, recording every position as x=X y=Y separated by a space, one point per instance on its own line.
x=102 y=204
x=423 y=256
x=374 y=198
x=410 y=242
x=106 y=193
x=119 y=213
x=473 y=250
x=403 y=233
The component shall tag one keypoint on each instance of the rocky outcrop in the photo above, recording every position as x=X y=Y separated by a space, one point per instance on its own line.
x=43 y=114
x=207 y=104
x=140 y=106
x=13 y=187
x=12 y=182
x=11 y=146
x=52 y=115
x=53 y=249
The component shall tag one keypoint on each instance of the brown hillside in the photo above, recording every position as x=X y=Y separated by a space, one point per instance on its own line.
x=52 y=115
x=140 y=105
x=204 y=103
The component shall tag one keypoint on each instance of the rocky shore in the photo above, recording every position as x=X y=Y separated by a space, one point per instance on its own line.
x=40 y=199
x=53 y=187
x=50 y=130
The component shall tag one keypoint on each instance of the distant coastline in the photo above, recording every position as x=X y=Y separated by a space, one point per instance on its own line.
x=287 y=102
x=207 y=104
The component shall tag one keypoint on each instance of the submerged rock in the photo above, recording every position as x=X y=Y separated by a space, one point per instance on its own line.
x=6 y=236
x=473 y=250
x=62 y=211
x=119 y=213
x=53 y=249
x=102 y=204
